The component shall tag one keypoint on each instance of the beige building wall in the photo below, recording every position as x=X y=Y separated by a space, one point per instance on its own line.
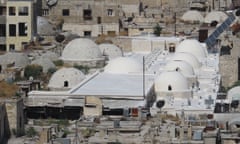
x=95 y=29
x=15 y=116
x=4 y=125
x=16 y=42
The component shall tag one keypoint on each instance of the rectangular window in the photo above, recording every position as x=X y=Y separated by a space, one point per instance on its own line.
x=11 y=47
x=87 y=14
x=3 y=47
x=23 y=11
x=12 y=11
x=87 y=33
x=22 y=27
x=12 y=30
x=2 y=30
x=110 y=12
x=2 y=10
x=65 y=12
x=45 y=12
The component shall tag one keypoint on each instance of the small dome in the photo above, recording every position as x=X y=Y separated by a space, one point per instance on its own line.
x=110 y=50
x=218 y=16
x=50 y=55
x=45 y=63
x=192 y=46
x=81 y=49
x=18 y=59
x=187 y=57
x=192 y=16
x=123 y=65
x=234 y=93
x=181 y=66
x=171 y=81
x=66 y=78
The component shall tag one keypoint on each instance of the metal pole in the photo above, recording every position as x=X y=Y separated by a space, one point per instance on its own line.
x=143 y=76
x=175 y=24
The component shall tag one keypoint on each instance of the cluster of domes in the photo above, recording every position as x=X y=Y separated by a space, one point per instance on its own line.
x=193 y=16
x=84 y=51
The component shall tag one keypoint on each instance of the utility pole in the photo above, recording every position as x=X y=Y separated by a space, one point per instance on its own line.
x=143 y=76
x=175 y=24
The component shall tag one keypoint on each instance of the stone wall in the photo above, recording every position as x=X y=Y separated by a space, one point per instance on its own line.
x=228 y=69
x=15 y=115
x=4 y=125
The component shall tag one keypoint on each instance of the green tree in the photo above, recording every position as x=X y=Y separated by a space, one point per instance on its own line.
x=31 y=132
x=157 y=30
x=33 y=70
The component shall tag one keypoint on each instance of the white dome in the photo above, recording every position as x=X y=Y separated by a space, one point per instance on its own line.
x=123 y=65
x=181 y=66
x=18 y=59
x=189 y=58
x=192 y=16
x=192 y=46
x=110 y=50
x=171 y=81
x=218 y=16
x=50 y=55
x=45 y=63
x=81 y=49
x=234 y=93
x=66 y=78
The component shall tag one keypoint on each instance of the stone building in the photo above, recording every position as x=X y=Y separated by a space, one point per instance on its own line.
x=14 y=109
x=19 y=24
x=4 y=124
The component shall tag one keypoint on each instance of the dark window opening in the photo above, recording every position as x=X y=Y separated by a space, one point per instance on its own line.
x=177 y=69
x=12 y=11
x=141 y=29
x=2 y=30
x=99 y=20
x=12 y=30
x=65 y=83
x=11 y=47
x=22 y=29
x=172 y=48
x=2 y=10
x=65 y=12
x=169 y=88
x=87 y=14
x=110 y=12
x=238 y=68
x=0 y=69
x=87 y=33
x=45 y=12
x=3 y=47
x=23 y=11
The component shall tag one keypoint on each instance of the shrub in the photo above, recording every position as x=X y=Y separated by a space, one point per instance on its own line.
x=33 y=70
x=157 y=30
x=58 y=62
x=31 y=132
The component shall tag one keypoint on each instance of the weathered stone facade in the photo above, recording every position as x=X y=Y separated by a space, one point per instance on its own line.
x=4 y=124
x=14 y=108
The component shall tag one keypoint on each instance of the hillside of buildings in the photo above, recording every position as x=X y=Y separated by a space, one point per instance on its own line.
x=119 y=71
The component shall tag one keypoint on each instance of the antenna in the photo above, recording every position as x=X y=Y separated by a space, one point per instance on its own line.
x=143 y=76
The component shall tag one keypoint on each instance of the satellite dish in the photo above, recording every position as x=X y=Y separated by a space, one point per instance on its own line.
x=160 y=103
x=237 y=13
x=51 y=3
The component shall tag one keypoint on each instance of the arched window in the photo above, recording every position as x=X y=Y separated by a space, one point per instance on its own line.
x=65 y=83
x=169 y=88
